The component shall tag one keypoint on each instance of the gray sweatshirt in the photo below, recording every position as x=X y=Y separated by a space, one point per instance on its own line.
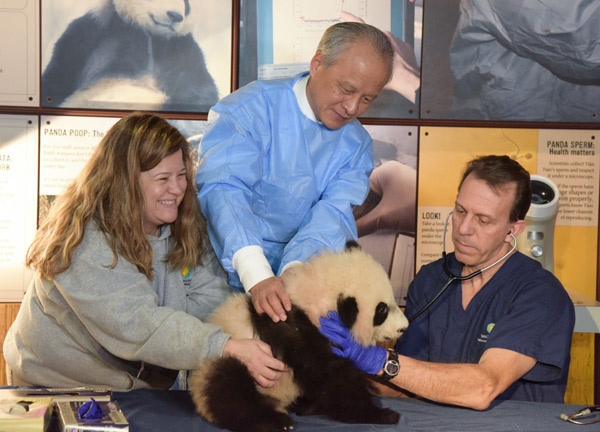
x=97 y=326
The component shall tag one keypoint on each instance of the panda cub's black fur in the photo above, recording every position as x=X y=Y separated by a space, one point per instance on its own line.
x=321 y=383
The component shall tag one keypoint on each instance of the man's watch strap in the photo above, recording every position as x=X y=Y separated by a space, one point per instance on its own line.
x=391 y=367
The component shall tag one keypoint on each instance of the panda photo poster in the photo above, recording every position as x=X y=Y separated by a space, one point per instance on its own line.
x=511 y=60
x=67 y=142
x=386 y=221
x=160 y=55
x=19 y=53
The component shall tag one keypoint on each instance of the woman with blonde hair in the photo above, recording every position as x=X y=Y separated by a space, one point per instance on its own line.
x=125 y=274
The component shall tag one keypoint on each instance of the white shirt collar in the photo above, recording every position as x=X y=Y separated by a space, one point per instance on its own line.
x=300 y=92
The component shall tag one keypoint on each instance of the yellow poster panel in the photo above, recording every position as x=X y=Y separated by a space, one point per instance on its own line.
x=555 y=154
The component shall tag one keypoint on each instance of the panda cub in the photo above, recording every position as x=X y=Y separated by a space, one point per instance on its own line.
x=131 y=54
x=320 y=382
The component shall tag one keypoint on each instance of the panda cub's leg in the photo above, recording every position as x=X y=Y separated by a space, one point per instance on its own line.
x=225 y=394
x=344 y=395
x=329 y=385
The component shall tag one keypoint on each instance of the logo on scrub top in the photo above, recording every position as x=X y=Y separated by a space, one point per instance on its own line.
x=483 y=337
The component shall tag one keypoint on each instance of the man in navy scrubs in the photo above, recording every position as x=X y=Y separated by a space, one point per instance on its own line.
x=505 y=333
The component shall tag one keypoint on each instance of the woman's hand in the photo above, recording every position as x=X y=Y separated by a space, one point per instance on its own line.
x=258 y=358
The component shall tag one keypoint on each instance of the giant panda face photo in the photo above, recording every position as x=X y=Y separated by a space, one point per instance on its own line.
x=161 y=17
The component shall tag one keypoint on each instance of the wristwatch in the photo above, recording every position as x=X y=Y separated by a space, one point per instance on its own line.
x=391 y=366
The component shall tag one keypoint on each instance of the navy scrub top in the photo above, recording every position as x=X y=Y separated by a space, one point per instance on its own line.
x=523 y=308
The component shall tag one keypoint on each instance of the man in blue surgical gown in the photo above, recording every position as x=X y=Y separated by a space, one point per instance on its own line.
x=284 y=162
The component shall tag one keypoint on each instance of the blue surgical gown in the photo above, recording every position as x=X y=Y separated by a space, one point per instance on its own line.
x=272 y=177
x=522 y=308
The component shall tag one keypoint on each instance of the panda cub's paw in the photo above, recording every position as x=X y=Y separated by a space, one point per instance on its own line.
x=276 y=422
x=388 y=416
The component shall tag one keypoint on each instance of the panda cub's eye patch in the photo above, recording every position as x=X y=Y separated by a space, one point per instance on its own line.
x=381 y=313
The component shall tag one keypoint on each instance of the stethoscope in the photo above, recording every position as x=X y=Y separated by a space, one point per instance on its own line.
x=584 y=412
x=451 y=276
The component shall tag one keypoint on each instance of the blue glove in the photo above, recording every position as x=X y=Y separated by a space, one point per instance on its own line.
x=90 y=410
x=369 y=359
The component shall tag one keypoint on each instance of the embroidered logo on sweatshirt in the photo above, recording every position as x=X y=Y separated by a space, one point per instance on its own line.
x=186 y=274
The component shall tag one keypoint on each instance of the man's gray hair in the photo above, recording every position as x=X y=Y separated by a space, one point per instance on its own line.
x=341 y=36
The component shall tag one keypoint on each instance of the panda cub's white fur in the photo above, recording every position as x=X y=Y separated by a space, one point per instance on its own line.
x=162 y=17
x=316 y=286
x=350 y=282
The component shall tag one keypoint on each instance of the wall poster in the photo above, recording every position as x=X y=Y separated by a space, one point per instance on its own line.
x=19 y=53
x=160 y=56
x=279 y=38
x=18 y=200
x=66 y=143
x=569 y=158
x=519 y=60
x=386 y=221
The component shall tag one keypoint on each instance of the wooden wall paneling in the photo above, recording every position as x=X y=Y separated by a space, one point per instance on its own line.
x=8 y=313
x=580 y=386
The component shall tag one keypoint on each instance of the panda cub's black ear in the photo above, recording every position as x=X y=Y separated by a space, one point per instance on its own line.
x=352 y=244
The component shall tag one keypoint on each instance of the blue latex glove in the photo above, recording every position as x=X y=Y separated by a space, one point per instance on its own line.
x=90 y=410
x=369 y=359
